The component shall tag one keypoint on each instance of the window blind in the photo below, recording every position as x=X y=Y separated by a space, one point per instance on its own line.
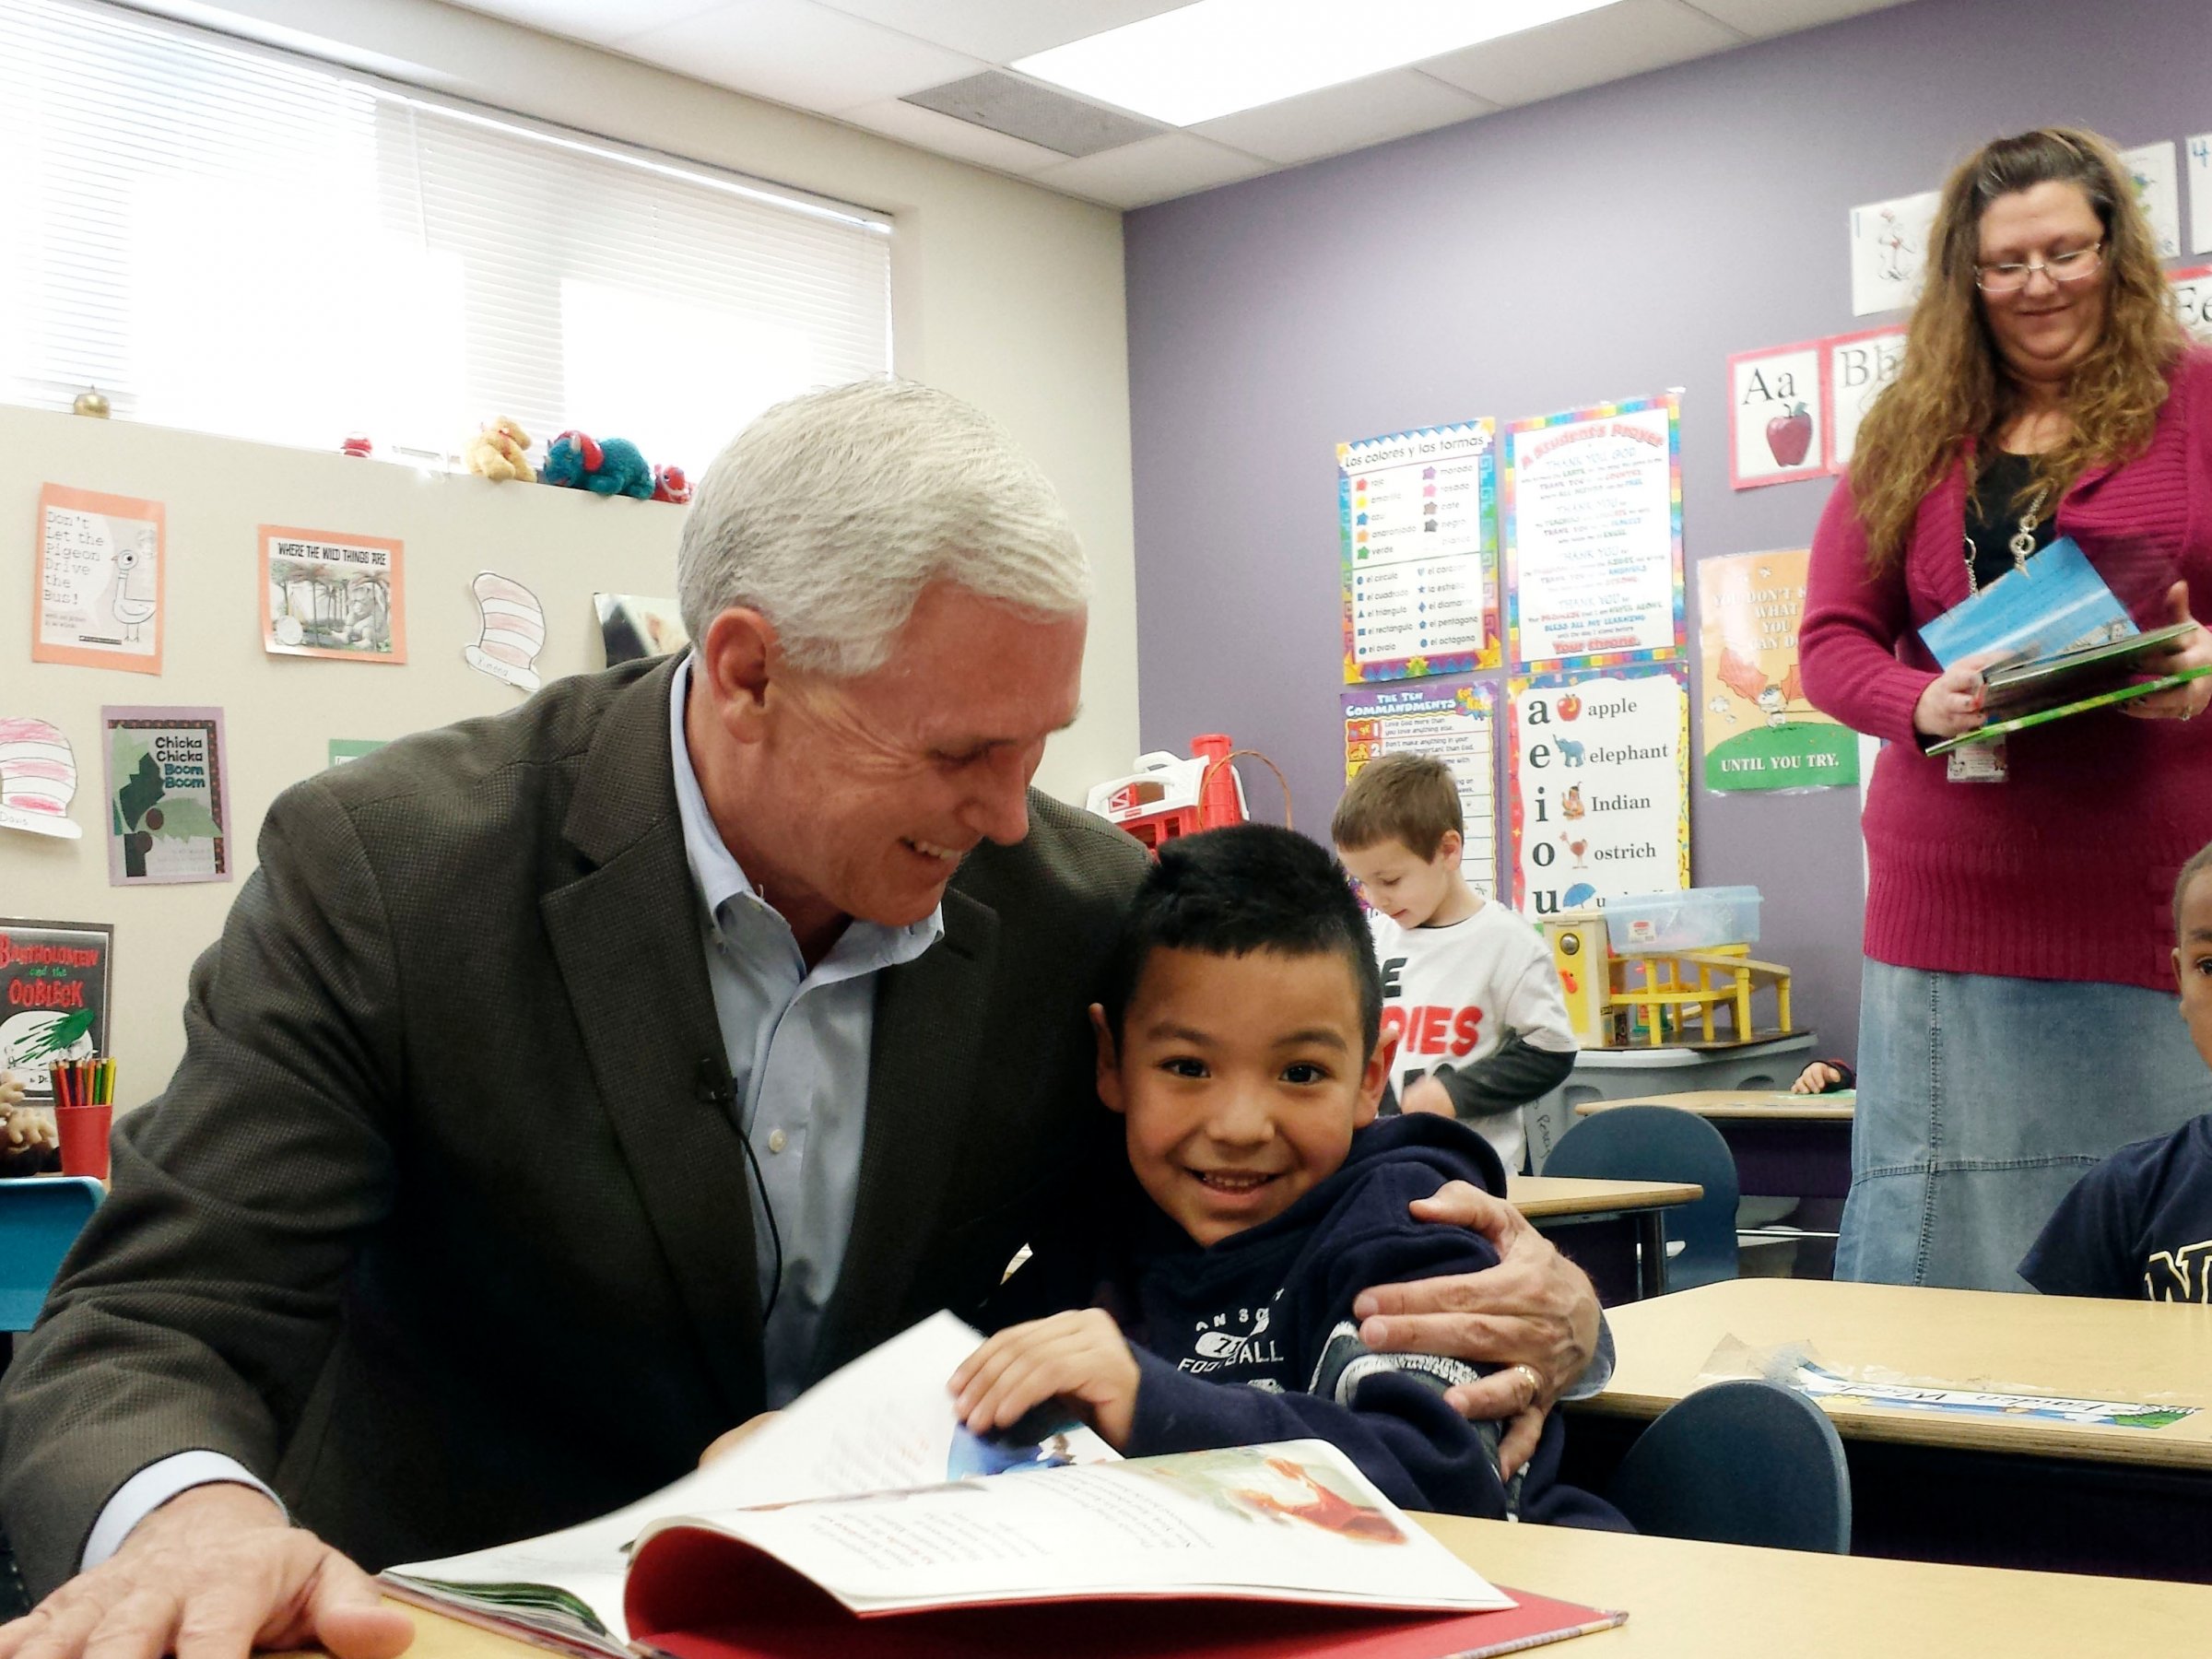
x=238 y=240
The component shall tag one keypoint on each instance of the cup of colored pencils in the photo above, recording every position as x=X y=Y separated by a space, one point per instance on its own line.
x=84 y=1111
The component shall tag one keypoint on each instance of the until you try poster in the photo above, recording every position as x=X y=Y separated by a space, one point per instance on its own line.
x=1597 y=766
x=169 y=799
x=1456 y=726
x=1594 y=534
x=53 y=998
x=1759 y=732
x=1421 y=562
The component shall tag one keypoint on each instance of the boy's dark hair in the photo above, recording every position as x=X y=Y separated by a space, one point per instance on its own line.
x=1249 y=887
x=2198 y=863
x=1408 y=798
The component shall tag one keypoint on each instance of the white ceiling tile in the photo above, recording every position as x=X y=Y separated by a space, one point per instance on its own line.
x=1392 y=105
x=946 y=135
x=1612 y=44
x=1002 y=30
x=799 y=52
x=591 y=21
x=1152 y=170
x=1765 y=18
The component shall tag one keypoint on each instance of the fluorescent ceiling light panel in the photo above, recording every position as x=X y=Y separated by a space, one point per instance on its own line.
x=1218 y=56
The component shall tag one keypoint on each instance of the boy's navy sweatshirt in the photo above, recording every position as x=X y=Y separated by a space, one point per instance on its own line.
x=1253 y=1339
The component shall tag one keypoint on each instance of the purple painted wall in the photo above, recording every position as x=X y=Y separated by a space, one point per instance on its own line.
x=1610 y=243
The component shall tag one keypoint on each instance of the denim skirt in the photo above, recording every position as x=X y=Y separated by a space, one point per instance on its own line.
x=1982 y=1099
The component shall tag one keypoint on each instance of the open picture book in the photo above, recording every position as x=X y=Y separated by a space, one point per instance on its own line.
x=865 y=1520
x=2070 y=646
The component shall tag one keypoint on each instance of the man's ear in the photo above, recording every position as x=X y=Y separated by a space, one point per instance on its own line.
x=1374 y=1078
x=1110 y=1069
x=740 y=661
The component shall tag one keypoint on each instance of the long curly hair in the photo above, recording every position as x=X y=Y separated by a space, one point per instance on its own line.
x=1952 y=386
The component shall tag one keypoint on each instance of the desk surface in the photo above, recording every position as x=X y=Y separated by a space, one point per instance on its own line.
x=1638 y=1058
x=2155 y=1352
x=1716 y=1601
x=1546 y=1196
x=1772 y=1106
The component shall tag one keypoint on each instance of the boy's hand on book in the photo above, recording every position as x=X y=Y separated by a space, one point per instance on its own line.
x=729 y=1440
x=1081 y=1357
x=1534 y=1314
x=1951 y=703
x=2191 y=651
x=213 y=1574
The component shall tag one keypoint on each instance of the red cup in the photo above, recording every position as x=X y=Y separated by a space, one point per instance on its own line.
x=84 y=1131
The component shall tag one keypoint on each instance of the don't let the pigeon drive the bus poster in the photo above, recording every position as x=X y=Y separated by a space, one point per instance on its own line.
x=98 y=603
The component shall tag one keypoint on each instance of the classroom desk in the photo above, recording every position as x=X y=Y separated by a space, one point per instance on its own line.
x=1786 y=1145
x=1614 y=1227
x=2134 y=1502
x=1716 y=1601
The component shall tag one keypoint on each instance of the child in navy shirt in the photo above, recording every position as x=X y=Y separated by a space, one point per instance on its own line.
x=2139 y=1225
x=1240 y=1043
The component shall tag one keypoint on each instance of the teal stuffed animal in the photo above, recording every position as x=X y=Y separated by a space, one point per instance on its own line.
x=613 y=467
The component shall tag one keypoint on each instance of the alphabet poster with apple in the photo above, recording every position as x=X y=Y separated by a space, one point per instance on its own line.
x=1456 y=725
x=1858 y=367
x=1598 y=786
x=1759 y=732
x=1777 y=415
x=1416 y=514
x=1889 y=251
x=1592 y=509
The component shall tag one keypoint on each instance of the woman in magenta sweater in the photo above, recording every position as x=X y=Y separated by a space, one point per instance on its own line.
x=2017 y=1020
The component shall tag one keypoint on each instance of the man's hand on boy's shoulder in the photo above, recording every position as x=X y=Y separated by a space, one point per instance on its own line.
x=1534 y=1314
x=1081 y=1356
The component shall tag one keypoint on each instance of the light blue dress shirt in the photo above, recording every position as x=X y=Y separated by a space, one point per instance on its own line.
x=797 y=1041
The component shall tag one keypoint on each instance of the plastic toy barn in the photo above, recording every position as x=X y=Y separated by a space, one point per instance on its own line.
x=1168 y=795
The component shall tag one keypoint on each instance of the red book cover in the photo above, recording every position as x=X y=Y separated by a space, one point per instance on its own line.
x=698 y=1594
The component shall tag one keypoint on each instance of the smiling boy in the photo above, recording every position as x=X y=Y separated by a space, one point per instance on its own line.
x=1239 y=1042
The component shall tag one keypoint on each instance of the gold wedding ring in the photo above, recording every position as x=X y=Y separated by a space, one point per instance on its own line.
x=1536 y=1383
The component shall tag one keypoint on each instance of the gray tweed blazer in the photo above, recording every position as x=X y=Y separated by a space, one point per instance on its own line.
x=439 y=1226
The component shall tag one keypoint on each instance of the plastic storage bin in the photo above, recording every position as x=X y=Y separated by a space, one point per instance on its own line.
x=1693 y=919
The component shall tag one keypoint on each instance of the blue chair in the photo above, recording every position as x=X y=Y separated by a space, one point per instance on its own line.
x=1740 y=1462
x=1664 y=1143
x=40 y=1218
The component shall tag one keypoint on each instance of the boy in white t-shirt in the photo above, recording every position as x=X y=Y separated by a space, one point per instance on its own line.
x=1469 y=987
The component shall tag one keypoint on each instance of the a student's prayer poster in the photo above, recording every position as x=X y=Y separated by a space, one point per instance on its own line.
x=38 y=778
x=2197 y=162
x=1593 y=510
x=1889 y=251
x=325 y=594
x=168 y=795
x=1777 y=414
x=2151 y=168
x=1598 y=777
x=1417 y=515
x=1859 y=366
x=96 y=594
x=1454 y=724
x=2193 y=299
x=53 y=998
x=1759 y=731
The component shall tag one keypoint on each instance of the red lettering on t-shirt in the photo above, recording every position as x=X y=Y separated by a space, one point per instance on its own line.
x=1430 y=1025
x=1466 y=1031
x=1394 y=1022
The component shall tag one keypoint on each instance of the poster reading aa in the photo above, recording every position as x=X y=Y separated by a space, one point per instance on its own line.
x=1598 y=769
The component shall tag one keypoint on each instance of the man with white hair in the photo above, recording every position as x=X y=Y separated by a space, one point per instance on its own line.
x=568 y=1086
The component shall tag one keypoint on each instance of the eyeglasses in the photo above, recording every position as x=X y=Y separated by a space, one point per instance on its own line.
x=2060 y=267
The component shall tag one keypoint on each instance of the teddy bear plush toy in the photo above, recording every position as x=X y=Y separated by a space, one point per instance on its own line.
x=611 y=467
x=500 y=450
